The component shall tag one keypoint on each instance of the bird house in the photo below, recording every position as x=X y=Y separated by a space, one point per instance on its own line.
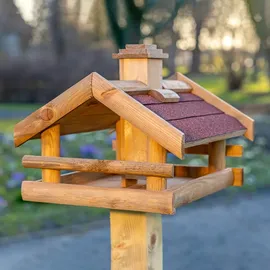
x=152 y=117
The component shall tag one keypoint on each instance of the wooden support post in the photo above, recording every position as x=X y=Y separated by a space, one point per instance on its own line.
x=217 y=156
x=50 y=147
x=136 y=238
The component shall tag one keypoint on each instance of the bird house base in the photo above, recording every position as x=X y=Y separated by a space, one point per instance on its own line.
x=105 y=191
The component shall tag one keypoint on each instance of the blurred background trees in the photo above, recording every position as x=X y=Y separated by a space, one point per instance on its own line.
x=47 y=45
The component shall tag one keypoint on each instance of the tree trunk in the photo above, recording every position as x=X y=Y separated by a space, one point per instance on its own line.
x=196 y=55
x=255 y=73
x=56 y=32
x=267 y=57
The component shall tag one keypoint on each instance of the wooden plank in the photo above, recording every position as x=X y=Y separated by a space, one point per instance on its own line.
x=177 y=86
x=140 y=53
x=203 y=186
x=131 y=86
x=215 y=138
x=222 y=105
x=50 y=146
x=141 y=46
x=138 y=115
x=53 y=111
x=101 y=166
x=231 y=150
x=198 y=171
x=81 y=178
x=164 y=95
x=217 y=156
x=112 y=198
x=90 y=116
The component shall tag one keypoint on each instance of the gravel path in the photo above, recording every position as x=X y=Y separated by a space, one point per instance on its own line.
x=215 y=234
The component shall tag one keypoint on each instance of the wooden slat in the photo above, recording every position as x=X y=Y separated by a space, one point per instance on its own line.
x=203 y=186
x=222 y=105
x=164 y=95
x=53 y=111
x=50 y=146
x=138 y=115
x=215 y=138
x=176 y=86
x=198 y=171
x=112 y=198
x=101 y=166
x=231 y=150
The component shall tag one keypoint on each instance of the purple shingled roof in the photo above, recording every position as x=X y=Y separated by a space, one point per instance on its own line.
x=196 y=118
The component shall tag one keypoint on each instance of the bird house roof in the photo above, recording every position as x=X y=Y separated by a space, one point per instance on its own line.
x=181 y=115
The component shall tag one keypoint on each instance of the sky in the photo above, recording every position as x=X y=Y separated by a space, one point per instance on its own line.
x=26 y=9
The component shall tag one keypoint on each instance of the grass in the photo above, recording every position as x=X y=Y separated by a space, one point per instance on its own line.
x=19 y=106
x=32 y=217
x=7 y=126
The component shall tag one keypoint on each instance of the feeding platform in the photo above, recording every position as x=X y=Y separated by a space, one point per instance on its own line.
x=152 y=117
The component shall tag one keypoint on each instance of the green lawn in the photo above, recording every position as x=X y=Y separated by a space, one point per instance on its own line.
x=19 y=106
x=7 y=126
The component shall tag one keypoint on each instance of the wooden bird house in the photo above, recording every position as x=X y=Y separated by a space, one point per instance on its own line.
x=152 y=117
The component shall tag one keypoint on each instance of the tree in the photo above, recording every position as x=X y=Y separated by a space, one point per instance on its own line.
x=56 y=31
x=131 y=21
x=200 y=10
x=260 y=14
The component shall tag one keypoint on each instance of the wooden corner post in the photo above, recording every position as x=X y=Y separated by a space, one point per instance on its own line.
x=217 y=156
x=50 y=147
x=136 y=238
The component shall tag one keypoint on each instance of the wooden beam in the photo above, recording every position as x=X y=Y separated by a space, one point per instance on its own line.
x=138 y=115
x=100 y=166
x=53 y=111
x=144 y=230
x=203 y=186
x=111 y=198
x=50 y=146
x=176 y=86
x=222 y=105
x=198 y=171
